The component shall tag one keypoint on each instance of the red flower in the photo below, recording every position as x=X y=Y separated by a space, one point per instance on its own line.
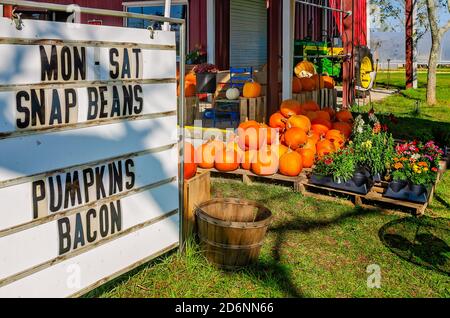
x=328 y=161
x=434 y=169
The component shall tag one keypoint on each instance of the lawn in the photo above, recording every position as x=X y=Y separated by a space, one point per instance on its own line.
x=321 y=249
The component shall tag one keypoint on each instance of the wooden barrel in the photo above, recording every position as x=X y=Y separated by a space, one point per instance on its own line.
x=232 y=231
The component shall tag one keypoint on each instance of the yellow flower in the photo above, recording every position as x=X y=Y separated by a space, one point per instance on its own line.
x=425 y=169
x=398 y=165
x=423 y=164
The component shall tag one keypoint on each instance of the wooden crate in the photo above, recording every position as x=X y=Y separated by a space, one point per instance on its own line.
x=196 y=190
x=324 y=97
x=373 y=199
x=253 y=109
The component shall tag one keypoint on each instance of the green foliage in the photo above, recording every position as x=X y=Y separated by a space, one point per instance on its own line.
x=340 y=165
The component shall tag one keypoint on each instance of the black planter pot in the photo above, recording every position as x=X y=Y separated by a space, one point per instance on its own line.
x=377 y=177
x=206 y=83
x=417 y=189
x=360 y=179
x=397 y=186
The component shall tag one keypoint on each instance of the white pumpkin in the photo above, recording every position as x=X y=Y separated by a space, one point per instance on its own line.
x=233 y=93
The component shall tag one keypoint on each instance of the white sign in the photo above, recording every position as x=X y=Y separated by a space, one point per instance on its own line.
x=89 y=163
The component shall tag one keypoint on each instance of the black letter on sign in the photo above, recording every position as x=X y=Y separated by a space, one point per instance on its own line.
x=37 y=107
x=66 y=63
x=115 y=108
x=112 y=53
x=129 y=165
x=104 y=221
x=64 y=235
x=127 y=100
x=116 y=217
x=126 y=69
x=55 y=204
x=136 y=53
x=55 y=113
x=49 y=69
x=103 y=101
x=137 y=96
x=70 y=101
x=79 y=62
x=92 y=103
x=99 y=172
x=26 y=121
x=89 y=215
x=115 y=177
x=38 y=195
x=88 y=174
x=72 y=190
x=79 y=235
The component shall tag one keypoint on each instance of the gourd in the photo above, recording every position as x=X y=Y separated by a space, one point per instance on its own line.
x=232 y=93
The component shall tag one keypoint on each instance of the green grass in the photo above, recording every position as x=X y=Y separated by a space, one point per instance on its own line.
x=418 y=120
x=313 y=249
x=320 y=249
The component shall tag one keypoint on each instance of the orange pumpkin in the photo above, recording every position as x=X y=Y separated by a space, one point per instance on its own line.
x=247 y=159
x=249 y=135
x=323 y=115
x=266 y=163
x=291 y=164
x=325 y=147
x=277 y=121
x=310 y=144
x=251 y=90
x=279 y=149
x=304 y=69
x=226 y=160
x=336 y=137
x=328 y=82
x=295 y=138
x=344 y=116
x=314 y=136
x=320 y=126
x=308 y=157
x=190 y=77
x=308 y=84
x=296 y=85
x=267 y=134
x=299 y=121
x=330 y=111
x=190 y=167
x=189 y=89
x=290 y=108
x=333 y=133
x=344 y=128
x=205 y=154
x=318 y=81
x=310 y=106
x=311 y=115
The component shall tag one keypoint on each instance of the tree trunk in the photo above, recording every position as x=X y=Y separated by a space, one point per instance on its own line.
x=434 y=52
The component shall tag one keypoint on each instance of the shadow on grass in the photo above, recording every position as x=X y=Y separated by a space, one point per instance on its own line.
x=422 y=241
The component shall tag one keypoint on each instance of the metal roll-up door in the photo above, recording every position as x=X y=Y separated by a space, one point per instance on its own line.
x=248 y=33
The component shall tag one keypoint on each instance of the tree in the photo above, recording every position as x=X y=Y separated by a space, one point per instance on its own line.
x=436 y=36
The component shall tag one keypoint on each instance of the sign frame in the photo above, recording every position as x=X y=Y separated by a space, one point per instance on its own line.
x=180 y=111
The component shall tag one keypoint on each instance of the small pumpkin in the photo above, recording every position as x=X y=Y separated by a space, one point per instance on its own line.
x=277 y=121
x=325 y=147
x=249 y=137
x=336 y=137
x=310 y=106
x=328 y=82
x=308 y=157
x=320 y=126
x=190 y=167
x=311 y=145
x=296 y=85
x=266 y=162
x=318 y=81
x=189 y=89
x=290 y=108
x=299 y=121
x=330 y=111
x=191 y=77
x=247 y=159
x=344 y=128
x=226 y=160
x=295 y=138
x=304 y=69
x=323 y=115
x=251 y=90
x=205 y=154
x=279 y=149
x=344 y=116
x=232 y=93
x=291 y=164
x=308 y=84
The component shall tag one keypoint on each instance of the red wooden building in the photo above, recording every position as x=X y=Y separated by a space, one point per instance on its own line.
x=246 y=32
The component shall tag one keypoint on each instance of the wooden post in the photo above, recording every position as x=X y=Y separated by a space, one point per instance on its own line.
x=348 y=67
x=273 y=51
x=288 y=47
x=411 y=65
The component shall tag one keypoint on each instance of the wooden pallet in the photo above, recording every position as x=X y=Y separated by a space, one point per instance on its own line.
x=249 y=177
x=370 y=200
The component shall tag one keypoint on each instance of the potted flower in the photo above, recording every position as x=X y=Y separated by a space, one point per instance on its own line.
x=374 y=147
x=206 y=78
x=400 y=174
x=196 y=56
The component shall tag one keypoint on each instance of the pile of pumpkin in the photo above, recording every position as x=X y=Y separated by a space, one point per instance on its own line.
x=296 y=136
x=307 y=80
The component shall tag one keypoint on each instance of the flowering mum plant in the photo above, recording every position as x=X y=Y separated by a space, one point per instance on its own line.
x=339 y=165
x=205 y=68
x=417 y=162
x=374 y=146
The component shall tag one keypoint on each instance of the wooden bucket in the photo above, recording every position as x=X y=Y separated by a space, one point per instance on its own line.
x=232 y=231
